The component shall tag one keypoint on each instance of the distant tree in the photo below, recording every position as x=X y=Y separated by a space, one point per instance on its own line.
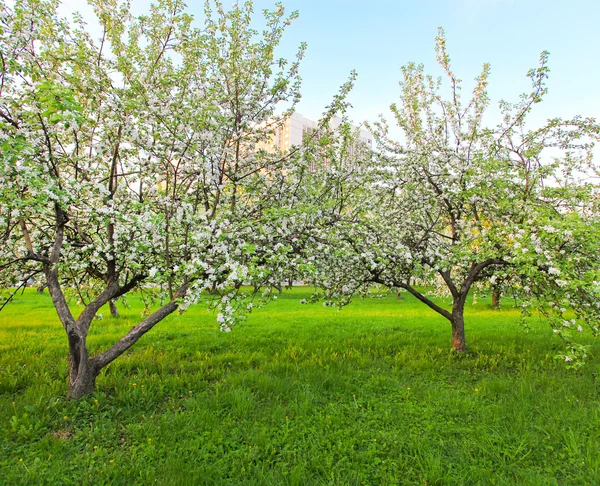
x=137 y=162
x=454 y=203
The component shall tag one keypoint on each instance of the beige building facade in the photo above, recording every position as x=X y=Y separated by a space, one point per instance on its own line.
x=296 y=128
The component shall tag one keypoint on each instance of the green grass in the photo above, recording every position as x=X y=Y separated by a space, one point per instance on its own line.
x=300 y=394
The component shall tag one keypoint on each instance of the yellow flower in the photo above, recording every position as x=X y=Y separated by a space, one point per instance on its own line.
x=20 y=460
x=476 y=390
x=64 y=417
x=112 y=460
x=408 y=388
x=95 y=447
x=134 y=384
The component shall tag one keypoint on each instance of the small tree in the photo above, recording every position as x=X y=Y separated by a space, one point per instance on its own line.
x=135 y=162
x=454 y=204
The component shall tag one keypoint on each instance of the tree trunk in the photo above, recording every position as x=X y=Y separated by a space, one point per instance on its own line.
x=82 y=372
x=113 y=308
x=459 y=343
x=456 y=317
x=495 y=298
x=83 y=381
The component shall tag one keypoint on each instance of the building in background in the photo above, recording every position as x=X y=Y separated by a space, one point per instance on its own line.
x=295 y=128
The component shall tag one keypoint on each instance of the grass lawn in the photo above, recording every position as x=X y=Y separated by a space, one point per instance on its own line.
x=299 y=394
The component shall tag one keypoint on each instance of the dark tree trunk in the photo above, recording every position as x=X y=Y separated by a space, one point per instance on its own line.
x=496 y=298
x=459 y=342
x=82 y=372
x=113 y=308
x=83 y=381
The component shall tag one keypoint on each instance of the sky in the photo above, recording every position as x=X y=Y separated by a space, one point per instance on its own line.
x=377 y=37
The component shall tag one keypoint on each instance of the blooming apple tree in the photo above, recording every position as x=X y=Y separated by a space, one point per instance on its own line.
x=455 y=204
x=138 y=161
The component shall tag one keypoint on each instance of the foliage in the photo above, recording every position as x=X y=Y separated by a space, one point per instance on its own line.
x=454 y=204
x=139 y=162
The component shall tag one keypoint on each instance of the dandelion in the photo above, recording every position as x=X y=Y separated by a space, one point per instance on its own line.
x=20 y=459
x=408 y=388
x=64 y=417
x=111 y=461
x=476 y=390
x=134 y=384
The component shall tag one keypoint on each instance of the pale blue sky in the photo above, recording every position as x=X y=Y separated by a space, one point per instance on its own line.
x=376 y=37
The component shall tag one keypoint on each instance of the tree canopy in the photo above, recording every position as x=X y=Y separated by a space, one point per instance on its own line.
x=456 y=204
x=138 y=161
x=141 y=161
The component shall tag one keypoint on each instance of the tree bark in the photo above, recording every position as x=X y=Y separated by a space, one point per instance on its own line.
x=113 y=308
x=459 y=342
x=495 y=298
x=82 y=372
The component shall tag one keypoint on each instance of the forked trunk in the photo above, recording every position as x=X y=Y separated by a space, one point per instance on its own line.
x=456 y=317
x=82 y=372
x=459 y=343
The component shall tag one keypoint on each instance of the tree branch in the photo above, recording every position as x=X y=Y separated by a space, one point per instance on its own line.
x=111 y=292
x=426 y=301
x=476 y=269
x=117 y=349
